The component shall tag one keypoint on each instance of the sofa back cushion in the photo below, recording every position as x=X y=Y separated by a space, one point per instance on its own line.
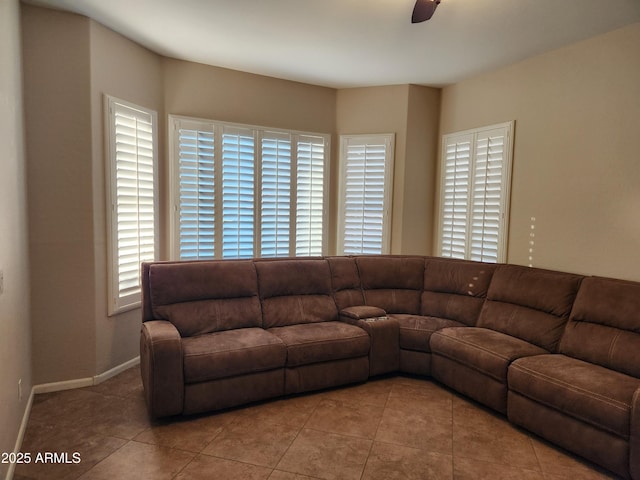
x=530 y=303
x=205 y=297
x=392 y=283
x=604 y=326
x=345 y=281
x=295 y=291
x=455 y=289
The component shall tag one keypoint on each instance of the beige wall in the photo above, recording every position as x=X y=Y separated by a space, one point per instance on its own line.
x=423 y=119
x=576 y=164
x=215 y=93
x=58 y=133
x=70 y=63
x=15 y=331
x=123 y=69
x=411 y=112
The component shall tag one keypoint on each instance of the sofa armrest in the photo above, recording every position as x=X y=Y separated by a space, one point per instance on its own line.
x=634 y=436
x=161 y=368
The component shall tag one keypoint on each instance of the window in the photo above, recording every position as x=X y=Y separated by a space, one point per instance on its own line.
x=366 y=176
x=475 y=192
x=131 y=153
x=240 y=191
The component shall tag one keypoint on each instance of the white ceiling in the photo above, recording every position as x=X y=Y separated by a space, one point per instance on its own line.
x=352 y=43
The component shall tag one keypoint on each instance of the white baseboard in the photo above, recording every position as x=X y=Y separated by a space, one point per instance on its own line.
x=85 y=382
x=58 y=387
x=21 y=431
x=115 y=371
x=64 y=385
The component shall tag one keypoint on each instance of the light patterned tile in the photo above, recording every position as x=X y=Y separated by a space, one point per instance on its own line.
x=346 y=418
x=374 y=392
x=204 y=467
x=293 y=411
x=482 y=435
x=396 y=462
x=326 y=455
x=250 y=442
x=191 y=433
x=556 y=463
x=138 y=461
x=280 y=475
x=469 y=469
x=430 y=432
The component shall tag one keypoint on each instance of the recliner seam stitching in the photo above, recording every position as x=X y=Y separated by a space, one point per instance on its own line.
x=479 y=348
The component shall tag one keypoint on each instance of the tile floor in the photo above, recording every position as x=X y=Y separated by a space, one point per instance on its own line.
x=390 y=428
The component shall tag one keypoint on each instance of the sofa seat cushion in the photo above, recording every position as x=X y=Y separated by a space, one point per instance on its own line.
x=486 y=351
x=232 y=352
x=416 y=330
x=582 y=390
x=321 y=342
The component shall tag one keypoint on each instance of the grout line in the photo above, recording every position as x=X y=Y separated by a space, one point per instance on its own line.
x=105 y=458
x=186 y=464
x=535 y=452
x=453 y=466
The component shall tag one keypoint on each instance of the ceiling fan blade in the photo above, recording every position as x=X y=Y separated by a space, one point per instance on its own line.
x=424 y=10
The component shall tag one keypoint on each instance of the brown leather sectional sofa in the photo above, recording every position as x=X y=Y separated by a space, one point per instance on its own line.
x=558 y=353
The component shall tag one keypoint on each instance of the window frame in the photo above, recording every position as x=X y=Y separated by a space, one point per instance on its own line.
x=475 y=135
x=259 y=133
x=117 y=303
x=388 y=139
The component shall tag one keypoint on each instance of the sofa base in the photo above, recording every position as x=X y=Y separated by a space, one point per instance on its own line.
x=598 y=446
x=233 y=391
x=327 y=374
x=470 y=382
x=415 y=363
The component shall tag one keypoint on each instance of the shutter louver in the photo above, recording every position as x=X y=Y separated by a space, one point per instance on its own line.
x=197 y=194
x=132 y=194
x=238 y=151
x=310 y=196
x=276 y=195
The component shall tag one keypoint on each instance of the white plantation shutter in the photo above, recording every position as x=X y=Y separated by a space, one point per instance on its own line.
x=475 y=193
x=132 y=171
x=239 y=191
x=488 y=206
x=238 y=153
x=455 y=196
x=367 y=166
x=196 y=177
x=310 y=194
x=276 y=196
